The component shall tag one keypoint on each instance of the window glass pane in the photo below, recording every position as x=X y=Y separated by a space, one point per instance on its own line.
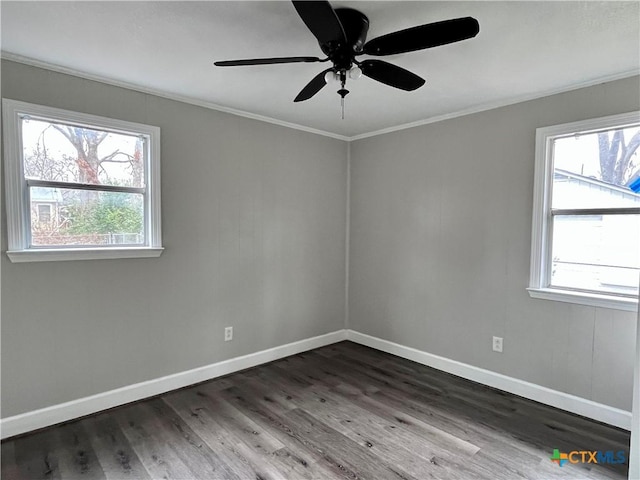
x=596 y=252
x=65 y=153
x=596 y=170
x=44 y=212
x=85 y=217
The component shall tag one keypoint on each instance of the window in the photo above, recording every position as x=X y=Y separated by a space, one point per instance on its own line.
x=586 y=219
x=44 y=213
x=79 y=186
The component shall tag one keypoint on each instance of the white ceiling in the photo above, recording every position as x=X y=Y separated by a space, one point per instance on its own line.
x=523 y=50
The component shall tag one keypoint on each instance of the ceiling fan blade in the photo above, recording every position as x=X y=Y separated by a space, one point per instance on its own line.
x=313 y=87
x=321 y=19
x=391 y=75
x=423 y=36
x=265 y=61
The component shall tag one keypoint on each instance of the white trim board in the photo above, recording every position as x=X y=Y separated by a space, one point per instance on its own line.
x=12 y=57
x=241 y=113
x=499 y=104
x=564 y=401
x=34 y=420
x=81 y=407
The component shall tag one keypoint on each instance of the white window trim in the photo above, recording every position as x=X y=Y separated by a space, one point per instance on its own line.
x=540 y=231
x=17 y=194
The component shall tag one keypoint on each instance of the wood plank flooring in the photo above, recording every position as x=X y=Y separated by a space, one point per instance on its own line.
x=343 y=411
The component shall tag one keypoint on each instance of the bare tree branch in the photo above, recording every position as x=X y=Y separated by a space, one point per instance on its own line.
x=615 y=157
x=627 y=154
x=111 y=156
x=115 y=161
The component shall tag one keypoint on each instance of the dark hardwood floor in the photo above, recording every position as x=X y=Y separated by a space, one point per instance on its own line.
x=343 y=411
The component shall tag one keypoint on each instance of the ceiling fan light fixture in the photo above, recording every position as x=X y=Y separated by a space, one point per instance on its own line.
x=355 y=73
x=331 y=77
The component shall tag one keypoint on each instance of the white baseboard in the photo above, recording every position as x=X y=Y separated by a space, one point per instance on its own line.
x=571 y=403
x=63 y=412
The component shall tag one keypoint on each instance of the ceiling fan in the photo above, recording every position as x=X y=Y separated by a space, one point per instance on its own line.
x=342 y=33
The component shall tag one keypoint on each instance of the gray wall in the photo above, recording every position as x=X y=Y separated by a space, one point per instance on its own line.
x=440 y=244
x=254 y=229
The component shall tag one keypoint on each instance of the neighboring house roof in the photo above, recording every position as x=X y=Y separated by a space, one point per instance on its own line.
x=46 y=195
x=600 y=193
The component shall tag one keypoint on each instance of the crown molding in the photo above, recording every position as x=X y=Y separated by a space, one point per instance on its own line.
x=500 y=103
x=161 y=93
x=213 y=106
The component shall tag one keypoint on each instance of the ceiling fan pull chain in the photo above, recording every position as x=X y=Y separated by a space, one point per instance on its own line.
x=343 y=91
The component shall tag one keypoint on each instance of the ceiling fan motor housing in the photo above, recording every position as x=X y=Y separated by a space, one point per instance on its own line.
x=356 y=26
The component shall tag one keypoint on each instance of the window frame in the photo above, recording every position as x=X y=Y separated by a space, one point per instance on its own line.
x=17 y=194
x=541 y=231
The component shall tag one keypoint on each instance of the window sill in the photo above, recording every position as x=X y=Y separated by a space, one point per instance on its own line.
x=55 y=255
x=583 y=298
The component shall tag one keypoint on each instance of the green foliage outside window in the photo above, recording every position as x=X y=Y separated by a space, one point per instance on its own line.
x=114 y=213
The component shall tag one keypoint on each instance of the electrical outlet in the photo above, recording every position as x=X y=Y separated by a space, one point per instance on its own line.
x=497 y=344
x=228 y=334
